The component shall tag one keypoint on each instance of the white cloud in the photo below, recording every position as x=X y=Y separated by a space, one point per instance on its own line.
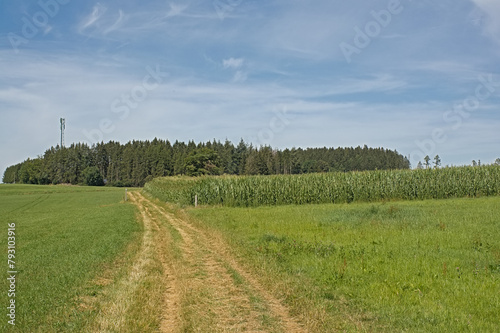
x=240 y=76
x=176 y=9
x=117 y=24
x=236 y=64
x=47 y=29
x=97 y=11
x=291 y=55
x=491 y=17
x=233 y=63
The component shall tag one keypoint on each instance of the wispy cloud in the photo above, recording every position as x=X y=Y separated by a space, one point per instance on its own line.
x=97 y=11
x=117 y=24
x=233 y=63
x=176 y=9
x=489 y=17
x=240 y=76
x=260 y=58
x=236 y=64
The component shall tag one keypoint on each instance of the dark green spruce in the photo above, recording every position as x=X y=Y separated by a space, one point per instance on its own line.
x=136 y=162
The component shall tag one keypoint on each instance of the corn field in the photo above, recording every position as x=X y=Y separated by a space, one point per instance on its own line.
x=367 y=186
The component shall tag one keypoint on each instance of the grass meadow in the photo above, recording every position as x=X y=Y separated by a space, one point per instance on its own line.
x=388 y=256
x=68 y=239
x=407 y=266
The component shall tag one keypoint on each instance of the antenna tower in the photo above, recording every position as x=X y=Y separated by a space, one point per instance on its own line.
x=63 y=127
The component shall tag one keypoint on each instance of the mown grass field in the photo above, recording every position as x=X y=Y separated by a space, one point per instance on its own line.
x=419 y=266
x=68 y=240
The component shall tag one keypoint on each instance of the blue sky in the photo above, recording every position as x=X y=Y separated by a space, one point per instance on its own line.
x=422 y=77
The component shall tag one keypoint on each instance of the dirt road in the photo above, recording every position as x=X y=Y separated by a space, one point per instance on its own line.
x=207 y=290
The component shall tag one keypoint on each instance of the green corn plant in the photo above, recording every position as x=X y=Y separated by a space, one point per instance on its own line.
x=367 y=186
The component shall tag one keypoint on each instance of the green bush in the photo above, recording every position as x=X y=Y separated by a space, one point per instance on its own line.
x=92 y=177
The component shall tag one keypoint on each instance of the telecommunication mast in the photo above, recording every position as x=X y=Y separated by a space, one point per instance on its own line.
x=63 y=127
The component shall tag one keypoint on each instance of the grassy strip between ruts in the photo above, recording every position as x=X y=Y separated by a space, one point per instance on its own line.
x=67 y=242
x=426 y=266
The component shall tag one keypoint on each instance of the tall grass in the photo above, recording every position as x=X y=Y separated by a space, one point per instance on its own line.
x=408 y=266
x=248 y=191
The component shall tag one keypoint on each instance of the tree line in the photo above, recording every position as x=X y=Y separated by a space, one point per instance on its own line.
x=136 y=162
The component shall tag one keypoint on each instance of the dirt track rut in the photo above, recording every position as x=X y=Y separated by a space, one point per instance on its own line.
x=207 y=290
